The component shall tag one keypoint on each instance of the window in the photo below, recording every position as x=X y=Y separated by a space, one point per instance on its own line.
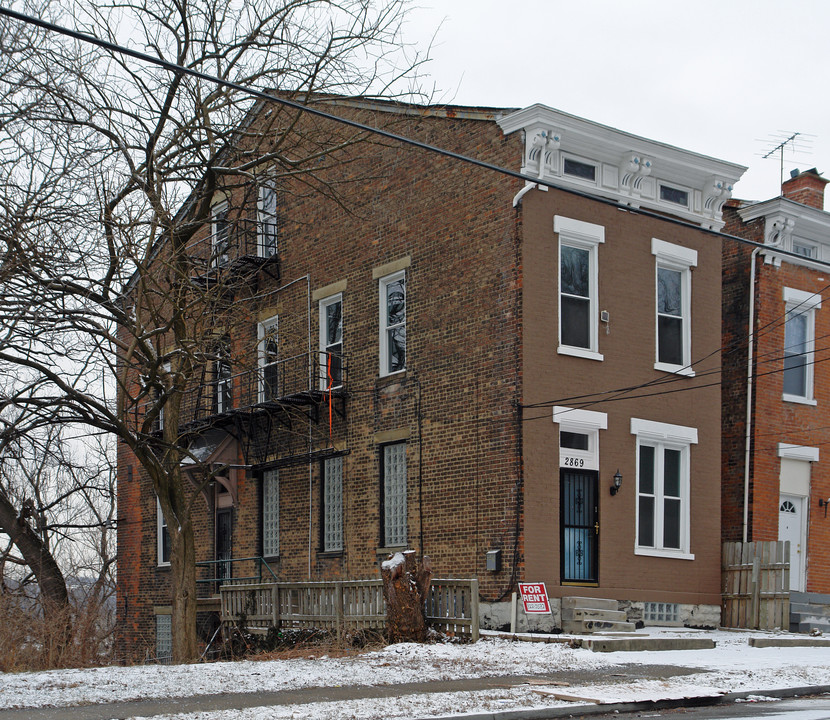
x=331 y=342
x=271 y=513
x=673 y=314
x=224 y=379
x=267 y=220
x=674 y=195
x=333 y=504
x=220 y=235
x=663 y=488
x=162 y=537
x=578 y=280
x=805 y=249
x=579 y=436
x=269 y=365
x=165 y=373
x=393 y=323
x=581 y=170
x=164 y=638
x=799 y=343
x=393 y=485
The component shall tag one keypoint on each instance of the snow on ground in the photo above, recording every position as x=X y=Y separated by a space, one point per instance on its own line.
x=731 y=666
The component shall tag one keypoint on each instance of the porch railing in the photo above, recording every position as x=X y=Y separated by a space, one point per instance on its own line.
x=343 y=606
x=218 y=572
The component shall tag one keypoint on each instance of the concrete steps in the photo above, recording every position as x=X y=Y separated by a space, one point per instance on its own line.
x=583 y=615
x=809 y=611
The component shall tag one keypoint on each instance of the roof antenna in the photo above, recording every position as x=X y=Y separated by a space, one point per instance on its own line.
x=791 y=140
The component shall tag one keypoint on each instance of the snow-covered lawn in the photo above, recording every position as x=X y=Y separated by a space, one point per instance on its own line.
x=731 y=666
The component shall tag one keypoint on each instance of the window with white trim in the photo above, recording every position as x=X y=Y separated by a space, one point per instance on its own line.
x=267 y=219
x=331 y=342
x=270 y=515
x=393 y=485
x=162 y=537
x=333 y=504
x=223 y=374
x=799 y=344
x=673 y=299
x=220 y=235
x=166 y=369
x=393 y=323
x=578 y=286
x=806 y=250
x=663 y=487
x=269 y=356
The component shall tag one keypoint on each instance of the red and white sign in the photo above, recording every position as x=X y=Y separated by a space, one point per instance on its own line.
x=534 y=597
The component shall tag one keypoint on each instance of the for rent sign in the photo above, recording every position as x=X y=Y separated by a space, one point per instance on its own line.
x=534 y=597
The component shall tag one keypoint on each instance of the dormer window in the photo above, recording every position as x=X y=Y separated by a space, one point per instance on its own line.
x=580 y=169
x=674 y=195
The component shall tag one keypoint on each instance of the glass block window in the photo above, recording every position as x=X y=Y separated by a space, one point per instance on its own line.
x=271 y=513
x=659 y=613
x=164 y=638
x=333 y=504
x=394 y=495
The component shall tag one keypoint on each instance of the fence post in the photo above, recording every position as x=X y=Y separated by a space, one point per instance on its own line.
x=474 y=610
x=338 y=599
x=756 y=591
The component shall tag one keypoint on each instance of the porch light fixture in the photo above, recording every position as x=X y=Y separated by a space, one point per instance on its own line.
x=824 y=504
x=617 y=482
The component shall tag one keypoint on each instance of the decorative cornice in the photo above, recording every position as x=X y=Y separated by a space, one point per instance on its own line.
x=629 y=169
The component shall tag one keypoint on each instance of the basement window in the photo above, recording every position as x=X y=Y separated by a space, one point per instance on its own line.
x=661 y=613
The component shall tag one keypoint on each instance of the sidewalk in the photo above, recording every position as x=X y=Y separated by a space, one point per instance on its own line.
x=497 y=678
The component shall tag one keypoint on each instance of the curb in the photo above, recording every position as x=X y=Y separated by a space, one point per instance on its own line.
x=630 y=707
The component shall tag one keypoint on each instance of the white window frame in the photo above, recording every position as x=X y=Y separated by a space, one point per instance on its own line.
x=584 y=236
x=325 y=303
x=333 y=504
x=161 y=529
x=223 y=381
x=165 y=369
x=217 y=259
x=385 y=327
x=670 y=203
x=585 y=422
x=266 y=220
x=665 y=436
x=805 y=303
x=395 y=507
x=264 y=330
x=581 y=161
x=270 y=513
x=679 y=259
x=811 y=248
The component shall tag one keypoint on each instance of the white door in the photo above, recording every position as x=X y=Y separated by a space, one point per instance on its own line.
x=791 y=527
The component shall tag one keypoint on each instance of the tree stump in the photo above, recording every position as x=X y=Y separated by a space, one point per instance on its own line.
x=405 y=587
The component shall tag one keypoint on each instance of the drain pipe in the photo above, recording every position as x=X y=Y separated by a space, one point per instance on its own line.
x=749 y=384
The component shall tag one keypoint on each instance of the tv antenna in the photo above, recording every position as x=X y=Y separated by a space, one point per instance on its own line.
x=793 y=140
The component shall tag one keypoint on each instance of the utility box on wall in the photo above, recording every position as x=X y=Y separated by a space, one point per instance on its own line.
x=493 y=560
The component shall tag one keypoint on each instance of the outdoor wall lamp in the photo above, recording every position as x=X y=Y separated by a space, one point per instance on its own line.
x=617 y=482
x=824 y=504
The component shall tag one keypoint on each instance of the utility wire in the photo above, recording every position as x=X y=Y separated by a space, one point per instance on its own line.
x=270 y=97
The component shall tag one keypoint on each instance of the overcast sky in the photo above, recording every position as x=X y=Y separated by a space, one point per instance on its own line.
x=726 y=78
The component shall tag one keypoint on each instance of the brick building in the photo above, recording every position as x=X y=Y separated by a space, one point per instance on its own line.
x=777 y=384
x=437 y=362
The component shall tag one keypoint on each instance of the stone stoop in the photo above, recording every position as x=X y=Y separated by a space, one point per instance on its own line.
x=582 y=615
x=809 y=611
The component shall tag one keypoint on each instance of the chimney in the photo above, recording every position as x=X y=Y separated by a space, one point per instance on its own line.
x=805 y=187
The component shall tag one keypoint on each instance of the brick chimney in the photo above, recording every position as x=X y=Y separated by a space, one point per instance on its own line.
x=805 y=187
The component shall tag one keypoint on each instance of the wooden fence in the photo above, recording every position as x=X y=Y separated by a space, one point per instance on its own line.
x=756 y=582
x=452 y=606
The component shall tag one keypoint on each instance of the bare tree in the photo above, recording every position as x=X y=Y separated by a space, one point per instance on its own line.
x=109 y=170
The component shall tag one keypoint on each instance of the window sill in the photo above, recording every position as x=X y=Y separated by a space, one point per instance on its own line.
x=656 y=552
x=391 y=379
x=163 y=566
x=684 y=370
x=384 y=551
x=579 y=352
x=799 y=399
x=323 y=554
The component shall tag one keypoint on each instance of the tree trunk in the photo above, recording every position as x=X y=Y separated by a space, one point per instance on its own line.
x=183 y=591
x=53 y=594
x=405 y=587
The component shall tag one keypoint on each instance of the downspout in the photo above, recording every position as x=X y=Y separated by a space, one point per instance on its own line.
x=749 y=385
x=311 y=377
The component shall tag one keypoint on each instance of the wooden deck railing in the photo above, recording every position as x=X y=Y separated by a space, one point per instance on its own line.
x=342 y=606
